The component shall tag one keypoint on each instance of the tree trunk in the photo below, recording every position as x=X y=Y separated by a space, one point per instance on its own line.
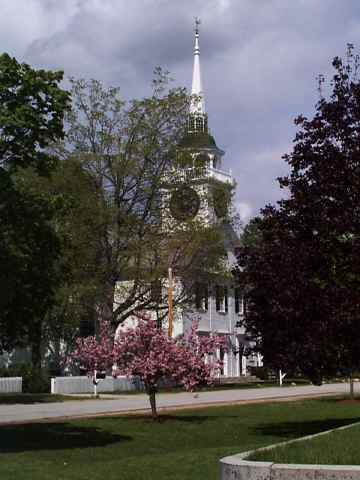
x=105 y=310
x=152 y=398
x=352 y=396
x=35 y=345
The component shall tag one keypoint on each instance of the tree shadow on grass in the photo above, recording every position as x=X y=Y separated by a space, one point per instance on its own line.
x=54 y=436
x=168 y=418
x=302 y=428
x=27 y=399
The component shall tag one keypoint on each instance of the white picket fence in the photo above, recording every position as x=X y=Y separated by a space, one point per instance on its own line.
x=65 y=385
x=11 y=385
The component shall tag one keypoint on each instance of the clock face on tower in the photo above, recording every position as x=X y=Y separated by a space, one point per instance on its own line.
x=184 y=203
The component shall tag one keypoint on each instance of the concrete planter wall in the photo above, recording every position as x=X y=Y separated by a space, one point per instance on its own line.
x=11 y=385
x=63 y=385
x=236 y=467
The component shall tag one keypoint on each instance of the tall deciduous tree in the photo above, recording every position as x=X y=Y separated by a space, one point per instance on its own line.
x=129 y=149
x=31 y=118
x=81 y=273
x=302 y=271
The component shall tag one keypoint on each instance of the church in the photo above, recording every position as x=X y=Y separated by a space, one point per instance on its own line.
x=217 y=307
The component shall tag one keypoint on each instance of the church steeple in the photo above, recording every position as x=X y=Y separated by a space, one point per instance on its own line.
x=197 y=105
x=197 y=115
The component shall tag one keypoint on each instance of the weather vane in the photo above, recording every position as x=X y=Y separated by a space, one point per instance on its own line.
x=197 y=23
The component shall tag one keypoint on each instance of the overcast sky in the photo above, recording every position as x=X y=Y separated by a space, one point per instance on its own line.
x=259 y=61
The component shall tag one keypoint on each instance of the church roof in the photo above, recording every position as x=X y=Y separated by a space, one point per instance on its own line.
x=198 y=140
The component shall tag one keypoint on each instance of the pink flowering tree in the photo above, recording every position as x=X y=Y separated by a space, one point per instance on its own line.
x=198 y=363
x=95 y=354
x=148 y=352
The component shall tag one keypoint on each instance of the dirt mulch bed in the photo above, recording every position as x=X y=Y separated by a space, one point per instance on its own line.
x=349 y=401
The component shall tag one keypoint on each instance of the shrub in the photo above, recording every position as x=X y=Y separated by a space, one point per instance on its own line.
x=262 y=373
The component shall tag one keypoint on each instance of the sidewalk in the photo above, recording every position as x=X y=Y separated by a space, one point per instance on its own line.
x=140 y=403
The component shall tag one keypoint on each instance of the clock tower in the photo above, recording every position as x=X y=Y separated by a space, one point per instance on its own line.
x=199 y=189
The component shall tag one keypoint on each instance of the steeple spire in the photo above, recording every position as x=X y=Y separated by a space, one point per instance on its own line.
x=197 y=121
x=197 y=105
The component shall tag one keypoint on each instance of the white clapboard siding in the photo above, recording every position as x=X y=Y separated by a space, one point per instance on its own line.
x=11 y=385
x=84 y=385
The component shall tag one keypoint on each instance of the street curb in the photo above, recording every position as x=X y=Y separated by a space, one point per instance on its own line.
x=238 y=467
x=146 y=411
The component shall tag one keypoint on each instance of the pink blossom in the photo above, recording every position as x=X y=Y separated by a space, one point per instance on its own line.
x=147 y=352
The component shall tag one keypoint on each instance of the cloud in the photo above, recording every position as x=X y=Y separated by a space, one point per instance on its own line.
x=245 y=210
x=259 y=62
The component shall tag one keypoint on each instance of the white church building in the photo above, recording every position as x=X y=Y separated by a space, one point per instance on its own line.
x=217 y=308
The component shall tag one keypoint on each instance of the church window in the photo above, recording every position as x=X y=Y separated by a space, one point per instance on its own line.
x=199 y=123
x=191 y=123
x=222 y=360
x=239 y=301
x=87 y=327
x=245 y=305
x=201 y=296
x=221 y=299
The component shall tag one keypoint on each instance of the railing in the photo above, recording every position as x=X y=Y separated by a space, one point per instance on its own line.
x=198 y=173
x=11 y=385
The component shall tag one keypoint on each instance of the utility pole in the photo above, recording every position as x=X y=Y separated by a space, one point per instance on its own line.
x=170 y=302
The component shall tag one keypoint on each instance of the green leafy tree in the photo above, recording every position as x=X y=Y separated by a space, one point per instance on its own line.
x=31 y=115
x=81 y=273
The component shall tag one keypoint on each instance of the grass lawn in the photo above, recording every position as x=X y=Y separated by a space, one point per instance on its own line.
x=27 y=398
x=183 y=445
x=338 y=448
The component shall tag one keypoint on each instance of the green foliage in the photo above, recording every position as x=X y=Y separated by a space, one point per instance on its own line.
x=29 y=250
x=221 y=198
x=262 y=373
x=78 y=224
x=251 y=234
x=31 y=115
x=31 y=119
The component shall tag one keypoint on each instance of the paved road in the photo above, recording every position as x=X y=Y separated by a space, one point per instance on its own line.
x=133 y=403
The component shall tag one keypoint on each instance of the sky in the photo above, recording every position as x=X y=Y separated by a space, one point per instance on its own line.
x=259 y=62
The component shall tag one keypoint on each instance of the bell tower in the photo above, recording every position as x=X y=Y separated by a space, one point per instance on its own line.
x=199 y=186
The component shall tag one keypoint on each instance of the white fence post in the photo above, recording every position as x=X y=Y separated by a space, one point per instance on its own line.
x=281 y=377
